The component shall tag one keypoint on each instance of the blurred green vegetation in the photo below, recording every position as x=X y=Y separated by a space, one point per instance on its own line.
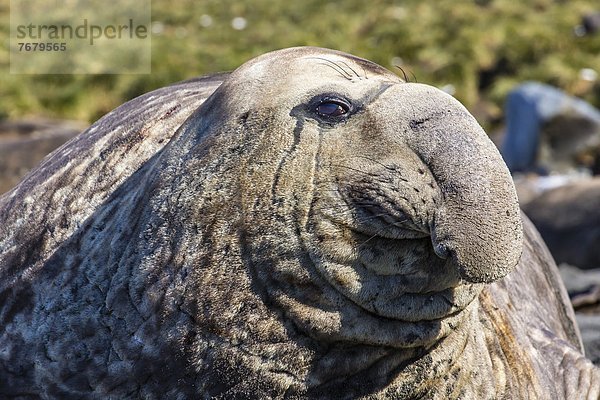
x=481 y=48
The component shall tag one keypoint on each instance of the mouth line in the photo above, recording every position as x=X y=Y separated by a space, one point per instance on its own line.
x=415 y=318
x=432 y=302
x=406 y=300
x=419 y=307
x=389 y=231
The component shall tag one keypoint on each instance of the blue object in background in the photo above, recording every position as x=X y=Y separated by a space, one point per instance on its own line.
x=528 y=107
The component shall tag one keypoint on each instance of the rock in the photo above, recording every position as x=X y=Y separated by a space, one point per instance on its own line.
x=589 y=325
x=568 y=219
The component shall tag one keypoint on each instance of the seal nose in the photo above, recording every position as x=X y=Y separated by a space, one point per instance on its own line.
x=441 y=251
x=440 y=248
x=478 y=223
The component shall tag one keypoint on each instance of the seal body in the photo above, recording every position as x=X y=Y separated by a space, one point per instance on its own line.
x=309 y=226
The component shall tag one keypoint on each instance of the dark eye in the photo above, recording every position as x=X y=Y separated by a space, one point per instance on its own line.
x=332 y=108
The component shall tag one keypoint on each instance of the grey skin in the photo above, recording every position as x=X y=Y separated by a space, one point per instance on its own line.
x=222 y=238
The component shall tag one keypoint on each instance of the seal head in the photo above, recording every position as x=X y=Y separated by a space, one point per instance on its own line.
x=373 y=208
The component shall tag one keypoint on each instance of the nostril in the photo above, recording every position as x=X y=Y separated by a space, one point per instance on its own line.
x=441 y=250
x=440 y=246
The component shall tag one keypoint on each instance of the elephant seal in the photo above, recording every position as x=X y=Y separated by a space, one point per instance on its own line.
x=309 y=226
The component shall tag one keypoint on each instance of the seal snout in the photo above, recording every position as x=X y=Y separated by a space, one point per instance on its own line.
x=476 y=224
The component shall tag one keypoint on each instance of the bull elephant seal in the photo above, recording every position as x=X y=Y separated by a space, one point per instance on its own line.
x=309 y=226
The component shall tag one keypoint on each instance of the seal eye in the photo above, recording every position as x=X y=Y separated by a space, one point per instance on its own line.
x=331 y=108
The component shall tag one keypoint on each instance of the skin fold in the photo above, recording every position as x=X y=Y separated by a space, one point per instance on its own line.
x=308 y=226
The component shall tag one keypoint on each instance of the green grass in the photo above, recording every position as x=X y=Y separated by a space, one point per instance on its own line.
x=482 y=48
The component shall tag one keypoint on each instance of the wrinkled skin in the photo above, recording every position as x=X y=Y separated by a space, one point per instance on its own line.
x=225 y=238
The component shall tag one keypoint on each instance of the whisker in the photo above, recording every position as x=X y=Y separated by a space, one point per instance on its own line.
x=336 y=70
x=350 y=68
x=406 y=79
x=344 y=210
x=403 y=73
x=336 y=67
x=414 y=76
x=372 y=237
x=355 y=204
x=378 y=162
x=395 y=223
x=350 y=168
